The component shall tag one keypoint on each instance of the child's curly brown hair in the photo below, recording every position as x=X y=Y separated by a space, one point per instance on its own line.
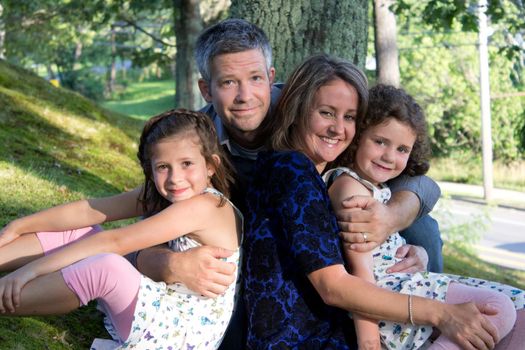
x=386 y=102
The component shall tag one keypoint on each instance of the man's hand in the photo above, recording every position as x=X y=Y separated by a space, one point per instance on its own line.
x=362 y=214
x=202 y=270
x=415 y=259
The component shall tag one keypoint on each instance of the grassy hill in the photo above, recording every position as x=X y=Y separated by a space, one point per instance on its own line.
x=56 y=146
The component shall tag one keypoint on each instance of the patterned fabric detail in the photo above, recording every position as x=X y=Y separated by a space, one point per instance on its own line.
x=291 y=231
x=395 y=335
x=171 y=316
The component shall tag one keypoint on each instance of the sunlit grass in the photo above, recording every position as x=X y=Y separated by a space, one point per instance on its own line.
x=57 y=147
x=507 y=175
x=145 y=99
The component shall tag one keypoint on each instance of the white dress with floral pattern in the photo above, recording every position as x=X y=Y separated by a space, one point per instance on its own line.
x=396 y=335
x=170 y=316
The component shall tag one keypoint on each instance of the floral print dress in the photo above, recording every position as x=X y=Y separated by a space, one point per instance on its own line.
x=395 y=335
x=170 y=316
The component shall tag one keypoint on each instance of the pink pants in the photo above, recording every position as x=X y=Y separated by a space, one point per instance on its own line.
x=503 y=321
x=109 y=278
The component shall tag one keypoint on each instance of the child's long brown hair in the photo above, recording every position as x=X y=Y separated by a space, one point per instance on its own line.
x=180 y=122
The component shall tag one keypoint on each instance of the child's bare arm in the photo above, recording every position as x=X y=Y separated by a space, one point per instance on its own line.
x=82 y=213
x=360 y=263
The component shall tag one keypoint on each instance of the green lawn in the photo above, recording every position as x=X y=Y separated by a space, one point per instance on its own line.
x=57 y=146
x=144 y=100
x=468 y=169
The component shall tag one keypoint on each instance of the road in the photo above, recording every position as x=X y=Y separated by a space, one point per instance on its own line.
x=503 y=240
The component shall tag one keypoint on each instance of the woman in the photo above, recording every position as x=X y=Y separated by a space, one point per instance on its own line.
x=297 y=290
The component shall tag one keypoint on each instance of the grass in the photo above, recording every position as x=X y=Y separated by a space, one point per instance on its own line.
x=57 y=147
x=145 y=99
x=461 y=260
x=468 y=169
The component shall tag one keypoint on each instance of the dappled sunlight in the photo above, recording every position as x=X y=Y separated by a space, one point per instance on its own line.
x=76 y=125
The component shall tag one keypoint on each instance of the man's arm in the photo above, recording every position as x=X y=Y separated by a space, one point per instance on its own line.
x=200 y=269
x=426 y=189
x=361 y=214
x=412 y=197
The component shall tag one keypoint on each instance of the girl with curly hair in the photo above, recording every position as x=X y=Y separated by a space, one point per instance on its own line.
x=392 y=140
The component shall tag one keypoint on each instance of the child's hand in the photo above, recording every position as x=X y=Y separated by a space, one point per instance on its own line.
x=415 y=259
x=11 y=288
x=7 y=235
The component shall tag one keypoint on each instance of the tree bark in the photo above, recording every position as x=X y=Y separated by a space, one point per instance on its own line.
x=2 y=33
x=300 y=28
x=112 y=76
x=387 y=71
x=188 y=25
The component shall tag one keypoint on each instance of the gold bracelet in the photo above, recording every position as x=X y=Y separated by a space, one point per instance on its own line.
x=410 y=310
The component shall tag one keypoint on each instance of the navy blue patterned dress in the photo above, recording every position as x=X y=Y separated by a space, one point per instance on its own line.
x=291 y=231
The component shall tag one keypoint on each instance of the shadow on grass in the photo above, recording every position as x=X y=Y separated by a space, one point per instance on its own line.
x=43 y=94
x=76 y=330
x=29 y=142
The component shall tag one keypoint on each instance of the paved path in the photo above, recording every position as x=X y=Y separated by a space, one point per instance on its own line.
x=503 y=241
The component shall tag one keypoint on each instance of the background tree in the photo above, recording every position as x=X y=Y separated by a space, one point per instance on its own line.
x=297 y=29
x=439 y=65
x=385 y=43
x=2 y=32
x=188 y=25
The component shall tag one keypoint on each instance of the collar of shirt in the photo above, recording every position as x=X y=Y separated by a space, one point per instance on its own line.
x=224 y=139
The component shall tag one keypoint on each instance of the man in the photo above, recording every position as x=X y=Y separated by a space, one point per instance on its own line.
x=234 y=59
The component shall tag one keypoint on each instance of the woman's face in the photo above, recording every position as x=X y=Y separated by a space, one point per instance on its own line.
x=331 y=123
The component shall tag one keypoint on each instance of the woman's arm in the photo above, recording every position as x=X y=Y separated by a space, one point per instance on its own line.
x=82 y=213
x=464 y=323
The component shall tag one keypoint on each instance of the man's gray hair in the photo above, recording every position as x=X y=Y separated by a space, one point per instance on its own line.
x=230 y=36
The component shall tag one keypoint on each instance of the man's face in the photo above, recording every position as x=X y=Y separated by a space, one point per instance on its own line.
x=240 y=92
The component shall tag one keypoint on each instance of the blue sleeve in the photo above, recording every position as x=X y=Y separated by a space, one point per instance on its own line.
x=426 y=189
x=301 y=208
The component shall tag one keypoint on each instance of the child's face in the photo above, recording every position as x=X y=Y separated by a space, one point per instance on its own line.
x=383 y=151
x=179 y=169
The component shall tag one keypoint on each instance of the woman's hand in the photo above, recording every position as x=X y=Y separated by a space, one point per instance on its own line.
x=466 y=325
x=7 y=235
x=11 y=288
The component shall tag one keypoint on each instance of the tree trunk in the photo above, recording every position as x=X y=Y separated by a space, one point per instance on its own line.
x=387 y=71
x=188 y=25
x=50 y=72
x=112 y=76
x=300 y=28
x=2 y=33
